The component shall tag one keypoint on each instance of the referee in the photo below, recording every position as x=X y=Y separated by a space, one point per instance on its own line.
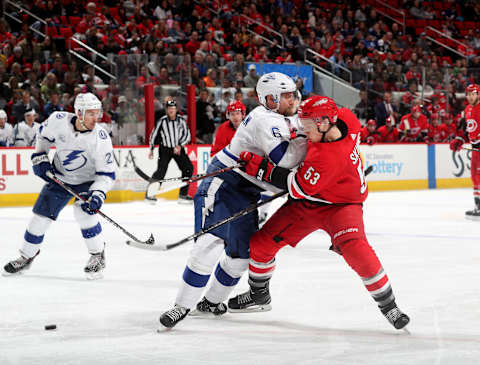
x=171 y=134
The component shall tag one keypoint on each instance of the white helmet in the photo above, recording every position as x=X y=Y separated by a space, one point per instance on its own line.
x=87 y=101
x=275 y=84
x=3 y=114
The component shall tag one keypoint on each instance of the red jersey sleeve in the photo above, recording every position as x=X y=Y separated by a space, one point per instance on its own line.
x=224 y=135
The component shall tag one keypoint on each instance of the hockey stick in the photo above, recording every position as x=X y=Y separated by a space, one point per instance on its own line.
x=161 y=247
x=182 y=181
x=471 y=149
x=149 y=241
x=140 y=173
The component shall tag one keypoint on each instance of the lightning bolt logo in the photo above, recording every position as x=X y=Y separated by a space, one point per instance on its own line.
x=73 y=157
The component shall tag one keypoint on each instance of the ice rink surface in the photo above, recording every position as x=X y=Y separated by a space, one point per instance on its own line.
x=321 y=313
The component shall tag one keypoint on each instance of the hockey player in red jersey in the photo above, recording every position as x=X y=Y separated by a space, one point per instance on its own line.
x=389 y=132
x=472 y=119
x=369 y=134
x=437 y=131
x=325 y=192
x=413 y=126
x=235 y=113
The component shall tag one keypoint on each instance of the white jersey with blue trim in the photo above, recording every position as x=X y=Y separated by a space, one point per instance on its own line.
x=267 y=134
x=80 y=156
x=24 y=135
x=6 y=135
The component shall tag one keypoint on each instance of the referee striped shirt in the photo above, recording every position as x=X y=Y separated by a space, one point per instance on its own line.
x=170 y=133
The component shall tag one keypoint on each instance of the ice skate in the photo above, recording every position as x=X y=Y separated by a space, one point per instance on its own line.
x=18 y=266
x=205 y=308
x=95 y=265
x=473 y=215
x=171 y=317
x=185 y=199
x=395 y=316
x=254 y=300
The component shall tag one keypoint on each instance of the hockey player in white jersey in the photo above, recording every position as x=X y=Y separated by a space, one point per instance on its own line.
x=272 y=129
x=6 y=130
x=25 y=132
x=84 y=161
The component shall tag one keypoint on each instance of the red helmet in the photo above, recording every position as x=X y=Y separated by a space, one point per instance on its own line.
x=472 y=88
x=318 y=107
x=235 y=105
x=371 y=122
x=416 y=108
x=390 y=120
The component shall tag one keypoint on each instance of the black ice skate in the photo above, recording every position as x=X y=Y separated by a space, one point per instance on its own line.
x=171 y=317
x=95 y=265
x=474 y=214
x=395 y=316
x=205 y=308
x=254 y=300
x=19 y=265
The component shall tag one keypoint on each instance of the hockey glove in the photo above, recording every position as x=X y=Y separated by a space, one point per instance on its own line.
x=456 y=144
x=94 y=202
x=257 y=166
x=41 y=164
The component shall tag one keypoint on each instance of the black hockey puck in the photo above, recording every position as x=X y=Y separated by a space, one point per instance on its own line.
x=49 y=327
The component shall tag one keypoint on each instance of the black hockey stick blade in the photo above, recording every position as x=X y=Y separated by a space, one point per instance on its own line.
x=368 y=170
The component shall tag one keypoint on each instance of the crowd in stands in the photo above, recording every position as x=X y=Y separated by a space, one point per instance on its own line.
x=210 y=43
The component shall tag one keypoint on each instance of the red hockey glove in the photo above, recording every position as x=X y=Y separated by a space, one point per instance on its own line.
x=456 y=144
x=257 y=166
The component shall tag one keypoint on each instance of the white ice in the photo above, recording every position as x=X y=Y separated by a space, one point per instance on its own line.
x=321 y=313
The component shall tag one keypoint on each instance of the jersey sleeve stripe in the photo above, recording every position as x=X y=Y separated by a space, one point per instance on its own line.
x=111 y=175
x=278 y=152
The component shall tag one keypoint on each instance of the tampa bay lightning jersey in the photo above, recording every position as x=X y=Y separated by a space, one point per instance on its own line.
x=25 y=135
x=6 y=135
x=267 y=134
x=80 y=156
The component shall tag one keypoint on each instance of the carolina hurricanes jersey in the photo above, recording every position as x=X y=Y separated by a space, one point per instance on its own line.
x=367 y=137
x=388 y=135
x=223 y=136
x=267 y=134
x=412 y=126
x=6 y=135
x=24 y=135
x=332 y=172
x=80 y=156
x=438 y=133
x=472 y=118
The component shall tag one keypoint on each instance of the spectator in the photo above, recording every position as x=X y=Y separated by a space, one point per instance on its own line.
x=24 y=104
x=384 y=109
x=52 y=106
x=205 y=118
x=49 y=86
x=251 y=79
x=363 y=109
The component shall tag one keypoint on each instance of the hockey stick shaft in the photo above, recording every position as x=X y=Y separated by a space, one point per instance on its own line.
x=149 y=241
x=237 y=215
x=471 y=149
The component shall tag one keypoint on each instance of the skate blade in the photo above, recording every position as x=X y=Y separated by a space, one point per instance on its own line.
x=200 y=314
x=252 y=309
x=94 y=275
x=186 y=202
x=7 y=274
x=472 y=218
